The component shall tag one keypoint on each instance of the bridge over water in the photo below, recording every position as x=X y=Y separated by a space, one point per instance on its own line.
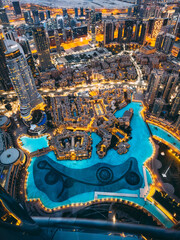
x=40 y=152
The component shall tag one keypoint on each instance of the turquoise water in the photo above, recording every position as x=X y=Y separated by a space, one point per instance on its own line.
x=157 y=131
x=33 y=144
x=140 y=148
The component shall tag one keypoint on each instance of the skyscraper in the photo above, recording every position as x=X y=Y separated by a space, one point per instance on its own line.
x=159 y=41
x=164 y=42
x=157 y=27
x=59 y=34
x=170 y=86
x=36 y=16
x=23 y=41
x=1 y=4
x=60 y=21
x=41 y=15
x=57 y=40
x=177 y=123
x=3 y=17
x=177 y=26
x=108 y=32
x=176 y=50
x=142 y=32
x=88 y=13
x=52 y=39
x=48 y=14
x=10 y=34
x=17 y=8
x=137 y=30
x=128 y=30
x=5 y=82
x=153 y=86
x=176 y=105
x=26 y=16
x=23 y=81
x=168 y=43
x=68 y=34
x=98 y=17
x=42 y=47
x=81 y=11
x=93 y=27
x=158 y=107
x=76 y=12
x=80 y=31
x=120 y=32
x=64 y=12
x=129 y=11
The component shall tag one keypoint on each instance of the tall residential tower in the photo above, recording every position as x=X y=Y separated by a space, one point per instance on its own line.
x=23 y=81
x=5 y=82
x=153 y=86
x=42 y=47
x=108 y=32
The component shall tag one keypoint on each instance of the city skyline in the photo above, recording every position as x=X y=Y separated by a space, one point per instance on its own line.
x=90 y=119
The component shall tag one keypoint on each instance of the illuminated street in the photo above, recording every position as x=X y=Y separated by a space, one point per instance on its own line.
x=89 y=120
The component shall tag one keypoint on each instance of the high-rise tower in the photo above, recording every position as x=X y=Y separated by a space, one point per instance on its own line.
x=153 y=86
x=128 y=30
x=108 y=32
x=168 y=43
x=170 y=86
x=156 y=27
x=5 y=82
x=93 y=27
x=42 y=47
x=76 y=12
x=17 y=8
x=177 y=123
x=175 y=106
x=23 y=81
x=27 y=17
x=64 y=12
x=3 y=17
x=36 y=16
x=81 y=11
x=159 y=41
x=48 y=14
x=140 y=33
x=41 y=15
x=1 y=4
x=23 y=41
x=120 y=33
x=158 y=107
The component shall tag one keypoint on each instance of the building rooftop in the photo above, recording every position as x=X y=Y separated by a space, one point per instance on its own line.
x=3 y=120
x=12 y=48
x=9 y=156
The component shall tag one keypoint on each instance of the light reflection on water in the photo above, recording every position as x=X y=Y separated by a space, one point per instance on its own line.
x=140 y=148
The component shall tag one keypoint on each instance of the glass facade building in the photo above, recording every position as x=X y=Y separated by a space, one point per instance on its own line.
x=42 y=47
x=23 y=81
x=17 y=8
x=5 y=82
x=3 y=17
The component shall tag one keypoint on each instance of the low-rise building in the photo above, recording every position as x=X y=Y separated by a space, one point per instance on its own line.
x=71 y=145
